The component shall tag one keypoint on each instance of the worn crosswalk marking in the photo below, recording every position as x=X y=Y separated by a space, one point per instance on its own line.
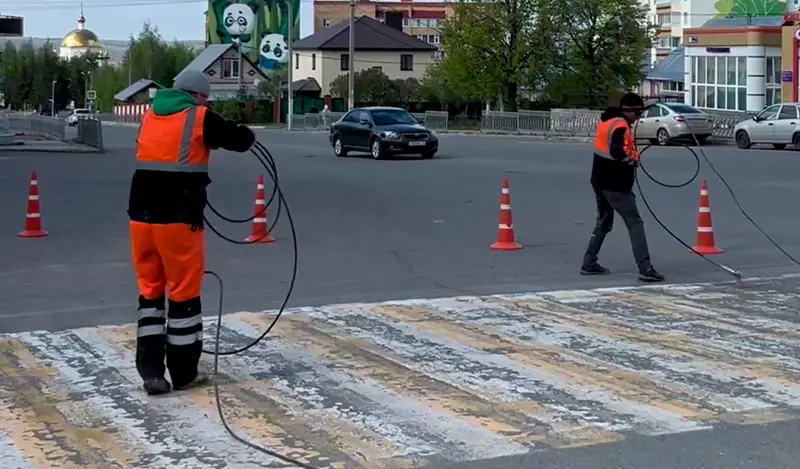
x=413 y=383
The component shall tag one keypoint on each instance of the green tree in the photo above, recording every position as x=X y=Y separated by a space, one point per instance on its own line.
x=408 y=90
x=491 y=48
x=275 y=83
x=604 y=43
x=370 y=86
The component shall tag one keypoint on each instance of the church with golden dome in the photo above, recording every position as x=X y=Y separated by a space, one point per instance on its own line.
x=81 y=41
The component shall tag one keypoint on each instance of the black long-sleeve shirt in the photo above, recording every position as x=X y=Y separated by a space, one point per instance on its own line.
x=172 y=197
x=614 y=175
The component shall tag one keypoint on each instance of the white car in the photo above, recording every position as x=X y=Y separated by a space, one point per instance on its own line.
x=778 y=125
x=77 y=114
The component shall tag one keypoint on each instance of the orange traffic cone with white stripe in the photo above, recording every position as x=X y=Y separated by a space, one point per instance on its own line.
x=33 y=219
x=259 y=233
x=505 y=231
x=705 y=233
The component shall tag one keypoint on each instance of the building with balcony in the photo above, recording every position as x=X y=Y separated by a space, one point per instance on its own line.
x=670 y=17
x=421 y=19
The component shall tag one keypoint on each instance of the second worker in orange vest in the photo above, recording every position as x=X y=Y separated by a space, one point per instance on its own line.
x=613 y=175
x=167 y=199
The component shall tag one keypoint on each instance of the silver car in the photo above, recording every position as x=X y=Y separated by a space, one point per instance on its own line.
x=778 y=125
x=663 y=122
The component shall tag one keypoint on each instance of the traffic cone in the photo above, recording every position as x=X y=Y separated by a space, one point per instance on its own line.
x=505 y=231
x=259 y=233
x=705 y=233
x=33 y=219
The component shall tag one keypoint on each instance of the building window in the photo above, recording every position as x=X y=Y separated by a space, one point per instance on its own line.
x=313 y=61
x=406 y=62
x=230 y=68
x=436 y=39
x=406 y=22
x=676 y=42
x=344 y=62
x=719 y=82
x=664 y=19
x=773 y=81
x=326 y=22
x=296 y=61
x=686 y=18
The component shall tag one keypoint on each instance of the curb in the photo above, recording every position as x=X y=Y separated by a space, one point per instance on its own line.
x=34 y=149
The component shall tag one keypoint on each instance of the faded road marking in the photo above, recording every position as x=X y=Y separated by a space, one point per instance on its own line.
x=404 y=384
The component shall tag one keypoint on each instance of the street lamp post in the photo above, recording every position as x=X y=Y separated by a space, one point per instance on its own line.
x=53 y=98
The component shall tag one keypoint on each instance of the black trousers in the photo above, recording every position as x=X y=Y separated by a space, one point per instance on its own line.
x=624 y=203
x=179 y=341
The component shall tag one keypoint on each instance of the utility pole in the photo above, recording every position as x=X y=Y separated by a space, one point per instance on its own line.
x=289 y=76
x=239 y=41
x=53 y=98
x=351 y=65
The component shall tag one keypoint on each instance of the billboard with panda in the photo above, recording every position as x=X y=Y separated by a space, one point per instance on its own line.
x=262 y=26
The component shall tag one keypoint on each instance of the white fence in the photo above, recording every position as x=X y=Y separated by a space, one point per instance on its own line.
x=50 y=127
x=434 y=120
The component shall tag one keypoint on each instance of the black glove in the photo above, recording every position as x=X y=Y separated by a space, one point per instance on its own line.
x=247 y=135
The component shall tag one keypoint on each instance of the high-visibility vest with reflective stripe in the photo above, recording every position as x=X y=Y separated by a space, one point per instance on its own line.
x=173 y=142
x=602 y=141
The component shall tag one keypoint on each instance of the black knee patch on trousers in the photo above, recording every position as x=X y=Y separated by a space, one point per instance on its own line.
x=184 y=340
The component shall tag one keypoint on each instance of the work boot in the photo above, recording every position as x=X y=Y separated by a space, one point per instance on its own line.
x=651 y=275
x=200 y=380
x=594 y=269
x=156 y=386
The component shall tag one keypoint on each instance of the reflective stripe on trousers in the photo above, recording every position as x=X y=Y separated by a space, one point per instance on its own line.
x=189 y=326
x=152 y=322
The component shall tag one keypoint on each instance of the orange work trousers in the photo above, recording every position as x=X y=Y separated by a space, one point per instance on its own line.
x=168 y=259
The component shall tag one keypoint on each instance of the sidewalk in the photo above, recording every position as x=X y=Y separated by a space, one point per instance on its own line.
x=30 y=143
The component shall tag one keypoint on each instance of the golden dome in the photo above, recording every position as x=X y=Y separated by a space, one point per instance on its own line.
x=81 y=38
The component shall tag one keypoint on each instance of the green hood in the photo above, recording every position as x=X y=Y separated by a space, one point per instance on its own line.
x=171 y=101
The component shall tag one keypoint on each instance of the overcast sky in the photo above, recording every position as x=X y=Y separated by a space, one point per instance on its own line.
x=119 y=19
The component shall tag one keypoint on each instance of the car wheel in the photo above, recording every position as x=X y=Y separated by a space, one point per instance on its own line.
x=376 y=149
x=743 y=140
x=662 y=137
x=338 y=148
x=796 y=140
x=427 y=155
x=779 y=146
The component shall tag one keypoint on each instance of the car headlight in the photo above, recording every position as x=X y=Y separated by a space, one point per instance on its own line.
x=389 y=135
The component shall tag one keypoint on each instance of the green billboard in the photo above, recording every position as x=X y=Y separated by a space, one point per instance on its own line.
x=262 y=27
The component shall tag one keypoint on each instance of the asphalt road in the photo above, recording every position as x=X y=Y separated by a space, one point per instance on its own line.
x=372 y=231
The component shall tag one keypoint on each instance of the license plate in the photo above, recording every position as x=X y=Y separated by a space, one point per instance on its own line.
x=416 y=143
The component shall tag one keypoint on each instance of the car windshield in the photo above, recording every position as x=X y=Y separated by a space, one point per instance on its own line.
x=392 y=116
x=683 y=109
x=81 y=111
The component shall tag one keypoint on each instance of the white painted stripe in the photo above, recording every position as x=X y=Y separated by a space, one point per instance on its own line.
x=505 y=207
x=453 y=438
x=260 y=186
x=33 y=197
x=504 y=191
x=34 y=182
x=514 y=382
x=505 y=227
x=703 y=192
x=261 y=202
x=10 y=456
x=34 y=215
x=705 y=229
x=259 y=220
x=704 y=210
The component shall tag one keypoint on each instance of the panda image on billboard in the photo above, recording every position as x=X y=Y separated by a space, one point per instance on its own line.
x=274 y=51
x=239 y=19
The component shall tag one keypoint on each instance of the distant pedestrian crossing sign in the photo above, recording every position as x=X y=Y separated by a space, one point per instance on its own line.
x=91 y=95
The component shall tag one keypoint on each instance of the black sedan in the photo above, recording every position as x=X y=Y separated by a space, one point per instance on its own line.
x=382 y=131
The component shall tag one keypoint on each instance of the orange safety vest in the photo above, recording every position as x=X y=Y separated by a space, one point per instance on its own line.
x=602 y=141
x=173 y=143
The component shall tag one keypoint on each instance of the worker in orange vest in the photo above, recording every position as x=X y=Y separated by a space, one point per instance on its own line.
x=613 y=175
x=167 y=199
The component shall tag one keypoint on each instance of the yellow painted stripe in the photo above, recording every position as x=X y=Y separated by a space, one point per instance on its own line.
x=36 y=418
x=361 y=358
x=250 y=407
x=628 y=385
x=763 y=368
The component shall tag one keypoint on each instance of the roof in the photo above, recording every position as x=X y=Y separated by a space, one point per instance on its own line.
x=81 y=38
x=212 y=53
x=669 y=69
x=209 y=55
x=370 y=34
x=743 y=22
x=134 y=88
x=306 y=84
